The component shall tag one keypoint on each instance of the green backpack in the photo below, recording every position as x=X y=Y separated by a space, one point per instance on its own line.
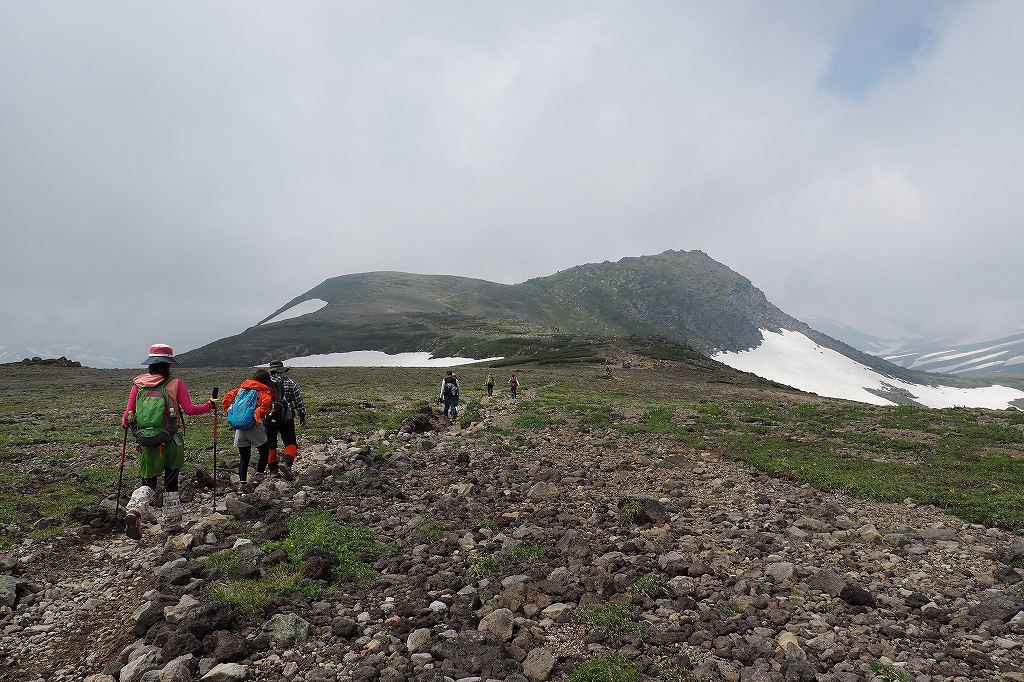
x=155 y=422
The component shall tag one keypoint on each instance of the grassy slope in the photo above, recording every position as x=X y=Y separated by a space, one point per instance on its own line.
x=60 y=435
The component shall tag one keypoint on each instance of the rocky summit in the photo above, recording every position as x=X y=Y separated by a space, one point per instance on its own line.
x=524 y=556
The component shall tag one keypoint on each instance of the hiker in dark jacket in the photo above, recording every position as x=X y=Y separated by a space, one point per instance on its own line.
x=450 y=390
x=166 y=457
x=293 y=405
x=513 y=383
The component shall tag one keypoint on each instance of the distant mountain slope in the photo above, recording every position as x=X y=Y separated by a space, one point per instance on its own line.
x=685 y=297
x=1005 y=355
x=945 y=355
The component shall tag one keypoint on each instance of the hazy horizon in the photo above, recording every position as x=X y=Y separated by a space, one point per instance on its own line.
x=856 y=160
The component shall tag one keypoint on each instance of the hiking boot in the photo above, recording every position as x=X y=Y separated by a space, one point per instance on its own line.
x=286 y=471
x=244 y=488
x=257 y=480
x=133 y=526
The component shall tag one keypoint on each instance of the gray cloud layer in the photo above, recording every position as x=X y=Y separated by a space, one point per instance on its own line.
x=174 y=172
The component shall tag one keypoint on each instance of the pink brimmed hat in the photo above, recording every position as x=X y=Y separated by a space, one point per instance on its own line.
x=160 y=352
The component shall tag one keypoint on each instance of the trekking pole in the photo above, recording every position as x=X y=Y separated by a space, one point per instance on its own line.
x=120 y=477
x=214 y=396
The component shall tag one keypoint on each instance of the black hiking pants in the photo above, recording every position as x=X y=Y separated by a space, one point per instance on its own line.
x=170 y=480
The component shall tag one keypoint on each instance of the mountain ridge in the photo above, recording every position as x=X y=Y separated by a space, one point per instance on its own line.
x=684 y=297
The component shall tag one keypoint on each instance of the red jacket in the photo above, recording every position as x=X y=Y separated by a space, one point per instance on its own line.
x=262 y=402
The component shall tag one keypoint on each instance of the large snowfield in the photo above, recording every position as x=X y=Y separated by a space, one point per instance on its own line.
x=793 y=359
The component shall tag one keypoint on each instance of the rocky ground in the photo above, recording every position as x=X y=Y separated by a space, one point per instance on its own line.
x=730 y=574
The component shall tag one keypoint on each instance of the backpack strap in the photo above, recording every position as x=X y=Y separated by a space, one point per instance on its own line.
x=171 y=386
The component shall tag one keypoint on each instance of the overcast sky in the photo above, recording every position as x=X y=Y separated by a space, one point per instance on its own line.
x=174 y=172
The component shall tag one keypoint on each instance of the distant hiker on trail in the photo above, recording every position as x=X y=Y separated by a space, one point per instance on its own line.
x=153 y=413
x=282 y=421
x=513 y=384
x=489 y=383
x=247 y=406
x=450 y=394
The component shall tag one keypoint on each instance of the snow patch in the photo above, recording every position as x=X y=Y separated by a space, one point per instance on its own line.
x=298 y=310
x=376 y=358
x=793 y=359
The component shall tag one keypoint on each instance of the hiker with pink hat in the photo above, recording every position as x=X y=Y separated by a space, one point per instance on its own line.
x=155 y=407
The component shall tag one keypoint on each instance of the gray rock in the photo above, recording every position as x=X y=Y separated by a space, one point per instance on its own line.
x=421 y=658
x=556 y=611
x=240 y=510
x=225 y=646
x=857 y=596
x=811 y=524
x=538 y=664
x=499 y=622
x=313 y=475
x=896 y=539
x=827 y=581
x=180 y=643
x=1001 y=608
x=207 y=617
x=673 y=562
x=1014 y=552
x=287 y=626
x=146 y=616
x=346 y=627
x=681 y=586
x=470 y=651
x=177 y=575
x=562 y=577
x=417 y=640
x=226 y=672
x=542 y=490
x=937 y=534
x=650 y=509
x=572 y=544
x=798 y=670
x=753 y=674
x=179 y=670
x=135 y=669
x=782 y=570
x=9 y=589
x=46 y=522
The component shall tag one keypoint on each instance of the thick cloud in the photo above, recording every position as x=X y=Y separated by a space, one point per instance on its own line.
x=175 y=172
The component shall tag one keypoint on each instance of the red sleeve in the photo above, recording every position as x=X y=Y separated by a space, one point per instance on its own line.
x=130 y=407
x=263 y=404
x=229 y=398
x=185 y=402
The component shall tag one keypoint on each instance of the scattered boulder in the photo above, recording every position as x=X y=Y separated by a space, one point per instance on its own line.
x=500 y=623
x=857 y=596
x=827 y=581
x=1002 y=608
x=643 y=508
x=287 y=626
x=469 y=651
x=538 y=664
x=9 y=590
